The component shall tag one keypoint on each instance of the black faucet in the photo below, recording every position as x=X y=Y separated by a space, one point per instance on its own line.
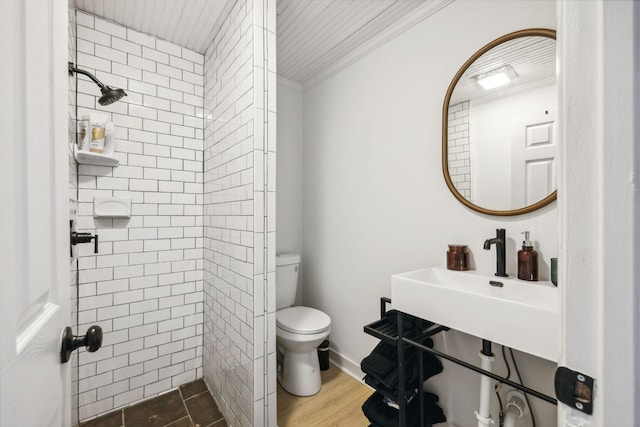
x=500 y=242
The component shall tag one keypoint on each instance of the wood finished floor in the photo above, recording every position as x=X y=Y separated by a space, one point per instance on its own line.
x=338 y=404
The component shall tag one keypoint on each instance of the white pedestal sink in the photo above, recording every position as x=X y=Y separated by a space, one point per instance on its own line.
x=518 y=314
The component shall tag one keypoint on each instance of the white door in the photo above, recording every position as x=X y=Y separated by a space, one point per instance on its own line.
x=34 y=302
x=533 y=158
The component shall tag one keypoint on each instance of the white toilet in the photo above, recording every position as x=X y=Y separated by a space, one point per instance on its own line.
x=299 y=332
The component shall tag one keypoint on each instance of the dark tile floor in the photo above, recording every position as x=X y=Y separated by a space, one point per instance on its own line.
x=190 y=406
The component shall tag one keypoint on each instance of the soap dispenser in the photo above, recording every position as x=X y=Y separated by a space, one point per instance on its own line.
x=527 y=260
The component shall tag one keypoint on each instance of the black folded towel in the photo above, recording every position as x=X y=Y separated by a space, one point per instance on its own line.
x=412 y=325
x=381 y=361
x=370 y=381
x=384 y=358
x=392 y=317
x=390 y=352
x=380 y=414
x=377 y=365
x=386 y=350
x=389 y=382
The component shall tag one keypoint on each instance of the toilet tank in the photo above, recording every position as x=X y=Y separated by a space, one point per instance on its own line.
x=287 y=266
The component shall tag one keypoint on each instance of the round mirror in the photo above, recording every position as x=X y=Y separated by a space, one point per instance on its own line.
x=499 y=143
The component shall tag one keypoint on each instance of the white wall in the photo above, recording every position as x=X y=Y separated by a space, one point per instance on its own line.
x=289 y=168
x=375 y=201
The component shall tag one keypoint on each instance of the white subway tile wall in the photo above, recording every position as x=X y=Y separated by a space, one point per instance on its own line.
x=145 y=287
x=459 y=149
x=239 y=245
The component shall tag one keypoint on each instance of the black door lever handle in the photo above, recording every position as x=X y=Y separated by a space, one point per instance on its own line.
x=84 y=238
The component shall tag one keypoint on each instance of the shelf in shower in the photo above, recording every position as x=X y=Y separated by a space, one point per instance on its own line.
x=89 y=158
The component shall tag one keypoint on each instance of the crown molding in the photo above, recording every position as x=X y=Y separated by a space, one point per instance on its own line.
x=290 y=83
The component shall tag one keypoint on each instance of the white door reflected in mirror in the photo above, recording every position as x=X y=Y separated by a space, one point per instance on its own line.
x=533 y=157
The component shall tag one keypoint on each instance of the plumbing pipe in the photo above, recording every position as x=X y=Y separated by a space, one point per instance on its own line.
x=486 y=362
x=515 y=410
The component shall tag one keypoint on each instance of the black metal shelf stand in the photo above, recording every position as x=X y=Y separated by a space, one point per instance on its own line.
x=394 y=334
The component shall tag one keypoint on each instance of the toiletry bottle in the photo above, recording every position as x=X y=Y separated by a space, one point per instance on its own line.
x=96 y=141
x=83 y=133
x=527 y=260
x=109 y=131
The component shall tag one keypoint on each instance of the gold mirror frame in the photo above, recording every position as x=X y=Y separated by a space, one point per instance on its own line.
x=533 y=32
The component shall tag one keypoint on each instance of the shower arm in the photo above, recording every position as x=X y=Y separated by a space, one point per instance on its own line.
x=73 y=69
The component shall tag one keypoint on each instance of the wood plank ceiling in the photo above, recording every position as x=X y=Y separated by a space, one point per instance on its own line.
x=189 y=23
x=312 y=35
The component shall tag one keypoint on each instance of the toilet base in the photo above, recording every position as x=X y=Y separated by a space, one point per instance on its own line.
x=300 y=373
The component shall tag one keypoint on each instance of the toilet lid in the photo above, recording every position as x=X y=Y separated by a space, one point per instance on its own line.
x=302 y=320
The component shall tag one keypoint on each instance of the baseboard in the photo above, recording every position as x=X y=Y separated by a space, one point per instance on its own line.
x=346 y=365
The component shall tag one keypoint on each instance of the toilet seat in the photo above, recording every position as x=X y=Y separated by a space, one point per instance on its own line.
x=302 y=320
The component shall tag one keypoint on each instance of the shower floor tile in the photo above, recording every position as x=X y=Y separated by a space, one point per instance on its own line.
x=190 y=406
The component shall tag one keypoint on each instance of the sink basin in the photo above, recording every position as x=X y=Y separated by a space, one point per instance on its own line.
x=519 y=314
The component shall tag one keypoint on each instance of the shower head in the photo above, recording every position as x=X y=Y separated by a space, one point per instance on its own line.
x=109 y=94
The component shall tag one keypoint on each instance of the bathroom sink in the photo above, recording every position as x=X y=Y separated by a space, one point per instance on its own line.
x=519 y=314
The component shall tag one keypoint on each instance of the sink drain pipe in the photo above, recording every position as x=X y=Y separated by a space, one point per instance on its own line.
x=486 y=363
x=516 y=408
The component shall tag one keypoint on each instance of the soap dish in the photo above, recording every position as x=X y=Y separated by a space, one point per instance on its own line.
x=112 y=207
x=98 y=159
